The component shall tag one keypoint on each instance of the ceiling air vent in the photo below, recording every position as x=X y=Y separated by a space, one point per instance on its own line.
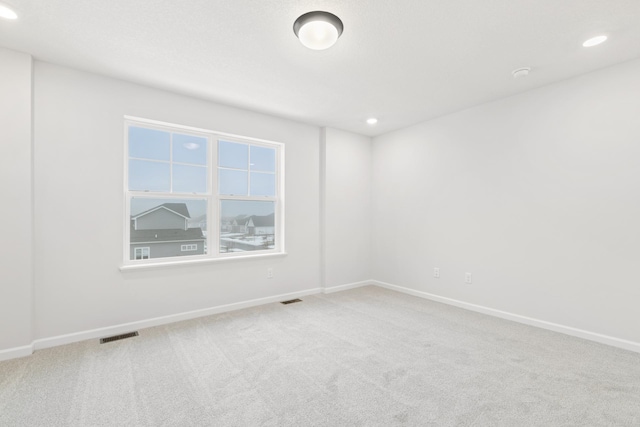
x=118 y=337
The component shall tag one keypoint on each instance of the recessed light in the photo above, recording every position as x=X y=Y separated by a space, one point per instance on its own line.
x=7 y=12
x=318 y=30
x=594 y=41
x=521 y=72
x=372 y=121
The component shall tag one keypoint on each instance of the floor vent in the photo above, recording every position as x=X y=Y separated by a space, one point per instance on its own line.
x=118 y=337
x=291 y=301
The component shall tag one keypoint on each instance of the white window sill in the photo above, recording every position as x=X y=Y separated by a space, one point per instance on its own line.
x=185 y=263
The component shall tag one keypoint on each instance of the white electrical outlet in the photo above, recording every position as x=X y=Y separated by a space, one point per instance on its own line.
x=269 y=273
x=467 y=278
x=436 y=272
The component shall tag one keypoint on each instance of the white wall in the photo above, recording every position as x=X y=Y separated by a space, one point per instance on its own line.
x=16 y=284
x=537 y=195
x=79 y=160
x=347 y=207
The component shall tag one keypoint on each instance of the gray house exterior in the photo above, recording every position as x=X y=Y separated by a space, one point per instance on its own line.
x=163 y=231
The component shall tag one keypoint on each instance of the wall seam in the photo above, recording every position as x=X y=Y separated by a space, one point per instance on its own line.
x=323 y=204
x=32 y=277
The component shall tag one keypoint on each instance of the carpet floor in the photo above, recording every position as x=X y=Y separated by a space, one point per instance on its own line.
x=364 y=357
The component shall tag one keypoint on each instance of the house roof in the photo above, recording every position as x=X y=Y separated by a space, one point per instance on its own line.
x=258 y=220
x=177 y=208
x=139 y=236
x=264 y=220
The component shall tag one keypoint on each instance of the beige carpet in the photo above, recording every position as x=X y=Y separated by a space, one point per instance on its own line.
x=365 y=357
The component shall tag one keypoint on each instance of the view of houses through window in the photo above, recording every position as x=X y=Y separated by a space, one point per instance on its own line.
x=167 y=227
x=246 y=226
x=173 y=194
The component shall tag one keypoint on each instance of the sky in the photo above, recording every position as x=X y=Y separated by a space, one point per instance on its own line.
x=161 y=161
x=171 y=162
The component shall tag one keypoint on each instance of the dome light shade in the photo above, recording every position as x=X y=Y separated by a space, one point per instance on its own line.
x=318 y=30
x=7 y=12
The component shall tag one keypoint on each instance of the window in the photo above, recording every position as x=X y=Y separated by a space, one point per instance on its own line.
x=180 y=180
x=141 y=253
x=247 y=189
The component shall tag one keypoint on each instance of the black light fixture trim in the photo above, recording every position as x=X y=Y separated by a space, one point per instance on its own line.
x=318 y=16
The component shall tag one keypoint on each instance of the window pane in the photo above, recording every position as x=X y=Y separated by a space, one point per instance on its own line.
x=263 y=184
x=161 y=227
x=189 y=179
x=233 y=155
x=189 y=149
x=141 y=253
x=148 y=176
x=246 y=225
x=263 y=159
x=233 y=182
x=148 y=144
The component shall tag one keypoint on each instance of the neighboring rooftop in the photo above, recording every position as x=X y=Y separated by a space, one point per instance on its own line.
x=179 y=208
x=258 y=220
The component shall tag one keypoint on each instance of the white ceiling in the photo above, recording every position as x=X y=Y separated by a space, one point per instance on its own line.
x=402 y=61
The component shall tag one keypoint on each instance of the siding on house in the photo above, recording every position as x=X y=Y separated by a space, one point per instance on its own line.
x=160 y=219
x=168 y=249
x=164 y=230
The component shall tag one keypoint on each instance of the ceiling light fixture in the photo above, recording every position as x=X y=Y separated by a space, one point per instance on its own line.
x=7 y=12
x=318 y=30
x=594 y=41
x=372 y=121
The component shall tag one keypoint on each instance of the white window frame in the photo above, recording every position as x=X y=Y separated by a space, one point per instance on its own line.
x=188 y=248
x=211 y=197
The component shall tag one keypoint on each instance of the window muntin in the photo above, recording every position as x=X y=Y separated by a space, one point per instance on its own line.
x=169 y=165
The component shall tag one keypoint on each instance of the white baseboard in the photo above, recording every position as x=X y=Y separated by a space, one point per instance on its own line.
x=43 y=343
x=354 y=285
x=15 y=352
x=567 y=330
x=157 y=321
